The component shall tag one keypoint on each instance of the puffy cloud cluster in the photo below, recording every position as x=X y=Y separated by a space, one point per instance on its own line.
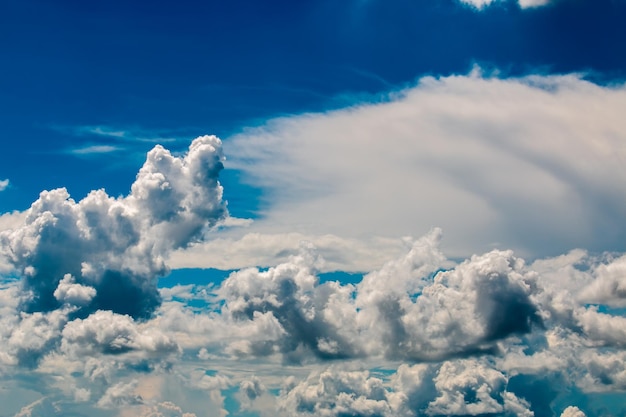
x=106 y=253
x=422 y=335
x=410 y=309
x=455 y=388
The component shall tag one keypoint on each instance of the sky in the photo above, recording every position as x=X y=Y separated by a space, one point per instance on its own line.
x=317 y=208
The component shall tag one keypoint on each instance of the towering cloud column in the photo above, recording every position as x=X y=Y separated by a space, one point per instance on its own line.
x=106 y=253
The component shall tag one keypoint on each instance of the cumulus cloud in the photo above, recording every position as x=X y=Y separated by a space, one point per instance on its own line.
x=70 y=292
x=421 y=335
x=464 y=310
x=107 y=332
x=4 y=184
x=572 y=411
x=305 y=311
x=411 y=309
x=608 y=285
x=457 y=388
x=114 y=248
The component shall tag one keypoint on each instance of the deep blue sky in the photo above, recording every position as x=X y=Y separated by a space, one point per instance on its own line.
x=181 y=69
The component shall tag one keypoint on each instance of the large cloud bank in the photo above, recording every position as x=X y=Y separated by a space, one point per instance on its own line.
x=422 y=335
x=106 y=253
x=86 y=331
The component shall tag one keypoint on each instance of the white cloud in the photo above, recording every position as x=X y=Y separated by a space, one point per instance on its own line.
x=572 y=411
x=70 y=292
x=231 y=251
x=524 y=4
x=95 y=149
x=536 y=163
x=609 y=285
x=117 y=246
x=4 y=184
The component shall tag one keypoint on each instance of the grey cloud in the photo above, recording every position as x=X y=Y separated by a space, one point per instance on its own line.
x=117 y=245
x=458 y=312
x=304 y=309
x=417 y=307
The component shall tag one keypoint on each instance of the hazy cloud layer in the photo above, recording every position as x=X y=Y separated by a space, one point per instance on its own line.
x=536 y=163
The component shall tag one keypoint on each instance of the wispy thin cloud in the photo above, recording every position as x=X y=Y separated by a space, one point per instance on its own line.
x=94 y=149
x=524 y=4
x=127 y=135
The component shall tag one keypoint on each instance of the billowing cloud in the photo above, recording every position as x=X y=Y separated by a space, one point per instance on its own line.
x=458 y=388
x=411 y=309
x=572 y=411
x=113 y=249
x=421 y=335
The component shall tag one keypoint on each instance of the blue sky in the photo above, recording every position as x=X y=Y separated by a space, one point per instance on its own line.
x=312 y=208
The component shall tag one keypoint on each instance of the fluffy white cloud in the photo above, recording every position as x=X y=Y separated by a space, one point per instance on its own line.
x=117 y=246
x=609 y=284
x=70 y=292
x=4 y=184
x=409 y=309
x=572 y=411
x=336 y=393
x=463 y=387
x=110 y=333
x=418 y=307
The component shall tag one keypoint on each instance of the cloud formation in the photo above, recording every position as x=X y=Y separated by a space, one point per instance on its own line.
x=421 y=335
x=535 y=162
x=4 y=184
x=106 y=253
